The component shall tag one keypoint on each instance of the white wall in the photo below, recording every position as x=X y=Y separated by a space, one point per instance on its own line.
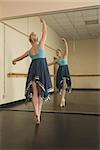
x=16 y=8
x=1 y=61
x=15 y=45
x=85 y=59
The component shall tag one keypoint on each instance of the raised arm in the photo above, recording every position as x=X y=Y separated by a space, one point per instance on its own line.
x=44 y=32
x=20 y=58
x=66 y=47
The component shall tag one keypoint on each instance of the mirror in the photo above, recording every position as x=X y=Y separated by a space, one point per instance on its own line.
x=81 y=29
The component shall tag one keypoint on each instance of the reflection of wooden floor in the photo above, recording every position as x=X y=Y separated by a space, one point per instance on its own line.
x=76 y=102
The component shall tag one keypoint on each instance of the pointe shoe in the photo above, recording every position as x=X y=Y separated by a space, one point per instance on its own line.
x=37 y=120
x=62 y=104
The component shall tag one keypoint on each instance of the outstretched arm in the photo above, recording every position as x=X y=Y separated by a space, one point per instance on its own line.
x=66 y=47
x=20 y=58
x=44 y=32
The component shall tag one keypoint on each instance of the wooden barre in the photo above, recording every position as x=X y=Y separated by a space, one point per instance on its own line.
x=86 y=75
x=19 y=75
x=25 y=75
x=16 y=75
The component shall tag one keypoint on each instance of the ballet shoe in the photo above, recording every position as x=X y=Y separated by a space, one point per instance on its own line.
x=37 y=120
x=62 y=104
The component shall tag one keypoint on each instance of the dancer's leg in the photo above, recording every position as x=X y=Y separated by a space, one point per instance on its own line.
x=40 y=101
x=35 y=100
x=62 y=104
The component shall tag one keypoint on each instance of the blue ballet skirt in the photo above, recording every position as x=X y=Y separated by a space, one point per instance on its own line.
x=63 y=72
x=38 y=72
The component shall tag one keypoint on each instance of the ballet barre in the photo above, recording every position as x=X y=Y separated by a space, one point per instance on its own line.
x=12 y=74
x=19 y=75
x=86 y=75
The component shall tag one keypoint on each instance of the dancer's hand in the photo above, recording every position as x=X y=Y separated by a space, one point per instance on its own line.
x=63 y=39
x=41 y=19
x=14 y=62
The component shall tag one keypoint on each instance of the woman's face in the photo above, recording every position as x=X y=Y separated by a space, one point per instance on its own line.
x=58 y=53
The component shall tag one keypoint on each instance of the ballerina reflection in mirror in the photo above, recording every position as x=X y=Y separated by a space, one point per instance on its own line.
x=63 y=79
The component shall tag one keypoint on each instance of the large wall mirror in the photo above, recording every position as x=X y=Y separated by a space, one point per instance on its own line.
x=81 y=29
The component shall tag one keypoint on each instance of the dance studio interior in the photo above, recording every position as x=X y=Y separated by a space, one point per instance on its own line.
x=76 y=125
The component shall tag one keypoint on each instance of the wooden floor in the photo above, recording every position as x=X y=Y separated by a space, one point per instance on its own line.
x=57 y=131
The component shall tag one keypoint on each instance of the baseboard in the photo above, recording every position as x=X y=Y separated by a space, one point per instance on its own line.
x=12 y=103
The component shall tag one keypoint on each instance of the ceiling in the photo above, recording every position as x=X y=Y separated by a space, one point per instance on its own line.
x=83 y=24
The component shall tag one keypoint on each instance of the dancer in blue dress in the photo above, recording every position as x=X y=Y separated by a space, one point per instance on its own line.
x=63 y=80
x=38 y=84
